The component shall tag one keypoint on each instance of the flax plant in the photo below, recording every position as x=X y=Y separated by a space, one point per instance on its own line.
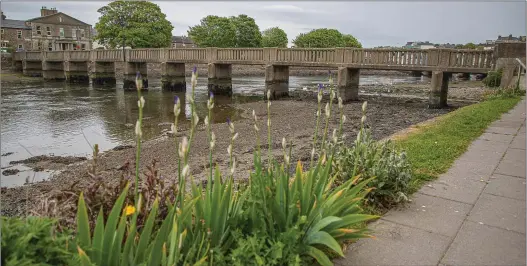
x=269 y=127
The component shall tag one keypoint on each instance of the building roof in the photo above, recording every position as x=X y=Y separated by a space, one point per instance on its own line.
x=56 y=14
x=182 y=39
x=14 y=24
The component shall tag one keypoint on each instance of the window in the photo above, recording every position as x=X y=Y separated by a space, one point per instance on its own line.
x=20 y=46
x=50 y=46
x=82 y=33
x=4 y=44
x=39 y=45
x=38 y=30
x=48 y=29
x=2 y=31
x=83 y=46
x=74 y=33
x=19 y=34
x=61 y=32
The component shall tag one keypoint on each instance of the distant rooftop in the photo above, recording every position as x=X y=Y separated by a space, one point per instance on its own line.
x=14 y=24
x=182 y=39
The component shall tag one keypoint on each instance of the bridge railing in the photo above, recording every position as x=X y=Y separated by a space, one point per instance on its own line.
x=411 y=58
x=77 y=55
x=53 y=55
x=107 y=55
x=240 y=54
x=187 y=54
x=33 y=56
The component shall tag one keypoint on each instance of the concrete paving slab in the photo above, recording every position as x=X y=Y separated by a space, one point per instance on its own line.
x=424 y=210
x=506 y=186
x=484 y=167
x=487 y=145
x=396 y=245
x=510 y=123
x=502 y=130
x=505 y=213
x=460 y=187
x=484 y=156
x=497 y=137
x=478 y=244
x=523 y=129
x=519 y=142
x=513 y=163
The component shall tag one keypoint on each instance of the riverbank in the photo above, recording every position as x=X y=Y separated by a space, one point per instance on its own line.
x=292 y=119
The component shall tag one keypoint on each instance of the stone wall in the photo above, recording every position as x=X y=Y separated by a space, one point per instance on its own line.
x=11 y=36
x=510 y=50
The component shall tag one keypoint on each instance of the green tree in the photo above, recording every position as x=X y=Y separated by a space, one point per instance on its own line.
x=214 y=31
x=137 y=24
x=274 y=37
x=349 y=41
x=325 y=38
x=469 y=46
x=247 y=32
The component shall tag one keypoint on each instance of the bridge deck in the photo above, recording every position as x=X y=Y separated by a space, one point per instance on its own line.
x=449 y=60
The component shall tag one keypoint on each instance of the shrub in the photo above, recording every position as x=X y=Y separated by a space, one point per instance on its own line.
x=493 y=79
x=35 y=241
x=380 y=159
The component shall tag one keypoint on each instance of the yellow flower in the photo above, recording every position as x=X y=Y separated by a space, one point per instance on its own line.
x=129 y=210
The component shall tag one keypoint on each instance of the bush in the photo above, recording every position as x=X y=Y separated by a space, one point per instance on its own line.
x=493 y=79
x=380 y=159
x=35 y=241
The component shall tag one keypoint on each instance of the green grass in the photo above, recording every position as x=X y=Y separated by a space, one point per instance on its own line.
x=433 y=147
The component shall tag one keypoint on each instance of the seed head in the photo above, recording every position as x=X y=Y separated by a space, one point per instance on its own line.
x=363 y=119
x=141 y=102
x=185 y=171
x=173 y=128
x=196 y=119
x=183 y=146
x=268 y=94
x=138 y=131
x=235 y=137
x=233 y=168
x=229 y=150
x=343 y=119
x=206 y=121
x=284 y=144
x=256 y=128
x=327 y=110
x=340 y=103
x=364 y=106
x=335 y=136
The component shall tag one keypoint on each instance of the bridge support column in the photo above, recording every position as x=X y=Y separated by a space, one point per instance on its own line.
x=220 y=79
x=130 y=72
x=103 y=73
x=76 y=72
x=52 y=70
x=18 y=66
x=439 y=89
x=348 y=83
x=32 y=68
x=509 y=66
x=173 y=76
x=277 y=81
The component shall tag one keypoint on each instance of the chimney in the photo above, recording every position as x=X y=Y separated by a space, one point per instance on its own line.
x=47 y=11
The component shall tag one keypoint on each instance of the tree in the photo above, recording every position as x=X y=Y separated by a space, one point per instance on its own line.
x=214 y=31
x=137 y=24
x=274 y=37
x=325 y=38
x=349 y=41
x=469 y=46
x=247 y=32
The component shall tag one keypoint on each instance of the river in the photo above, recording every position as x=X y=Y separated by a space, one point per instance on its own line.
x=56 y=118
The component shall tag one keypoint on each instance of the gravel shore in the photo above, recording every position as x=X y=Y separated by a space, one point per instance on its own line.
x=292 y=119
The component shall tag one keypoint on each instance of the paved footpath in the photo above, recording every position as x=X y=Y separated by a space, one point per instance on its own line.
x=472 y=215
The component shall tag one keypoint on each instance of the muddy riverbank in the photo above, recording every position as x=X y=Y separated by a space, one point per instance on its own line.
x=292 y=119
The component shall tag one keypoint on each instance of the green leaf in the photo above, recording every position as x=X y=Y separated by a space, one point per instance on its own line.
x=98 y=237
x=111 y=224
x=323 y=223
x=325 y=239
x=321 y=258
x=83 y=224
x=145 y=237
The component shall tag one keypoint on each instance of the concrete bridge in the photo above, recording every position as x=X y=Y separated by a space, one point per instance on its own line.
x=74 y=66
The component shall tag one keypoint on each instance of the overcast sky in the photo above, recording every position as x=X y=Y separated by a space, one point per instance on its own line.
x=372 y=23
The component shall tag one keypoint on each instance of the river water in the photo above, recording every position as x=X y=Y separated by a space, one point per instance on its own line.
x=56 y=118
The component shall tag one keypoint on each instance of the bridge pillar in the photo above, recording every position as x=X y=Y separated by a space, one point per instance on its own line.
x=103 y=73
x=130 y=72
x=18 y=66
x=32 y=68
x=277 y=80
x=76 y=72
x=348 y=83
x=439 y=89
x=173 y=76
x=220 y=79
x=52 y=70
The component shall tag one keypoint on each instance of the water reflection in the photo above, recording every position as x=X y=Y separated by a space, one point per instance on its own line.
x=59 y=118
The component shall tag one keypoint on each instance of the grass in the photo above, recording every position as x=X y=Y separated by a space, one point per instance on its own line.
x=433 y=147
